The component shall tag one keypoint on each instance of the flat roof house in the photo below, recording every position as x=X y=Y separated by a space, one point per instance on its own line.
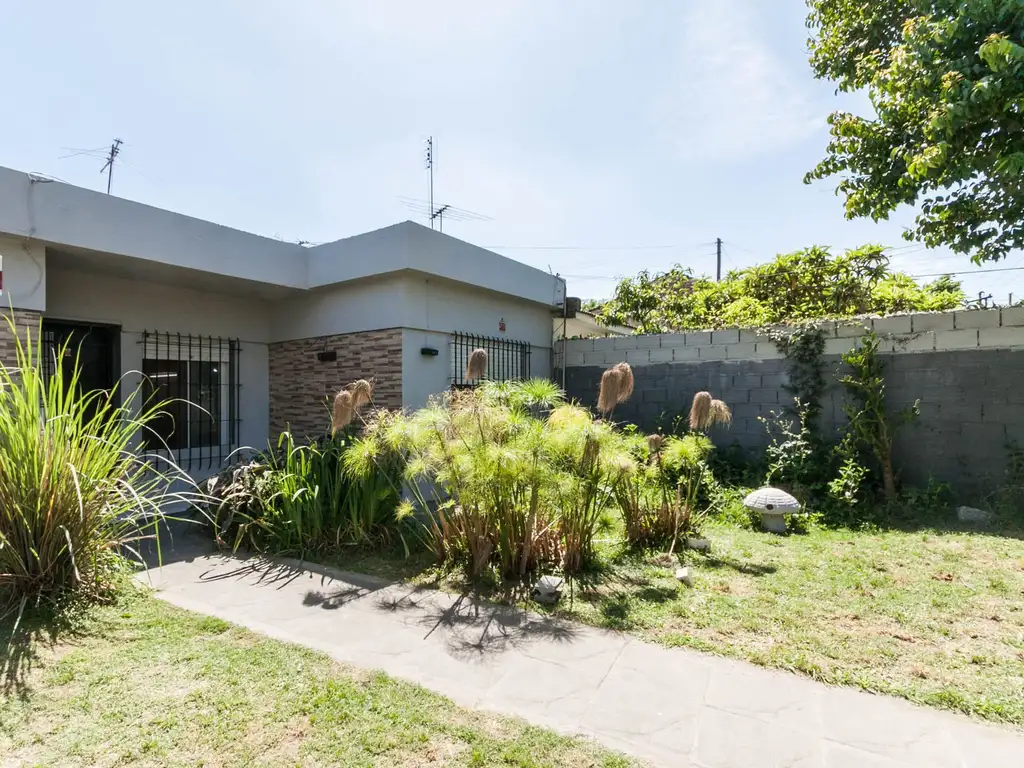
x=255 y=330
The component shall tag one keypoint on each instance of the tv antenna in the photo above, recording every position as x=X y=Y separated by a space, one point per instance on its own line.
x=441 y=212
x=108 y=167
x=430 y=172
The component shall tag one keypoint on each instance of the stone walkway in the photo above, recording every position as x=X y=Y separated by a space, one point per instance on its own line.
x=671 y=707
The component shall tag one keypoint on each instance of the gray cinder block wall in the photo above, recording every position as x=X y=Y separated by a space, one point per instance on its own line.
x=966 y=368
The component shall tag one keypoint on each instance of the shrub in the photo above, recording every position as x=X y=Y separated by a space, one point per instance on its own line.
x=659 y=490
x=74 y=494
x=336 y=491
x=519 y=479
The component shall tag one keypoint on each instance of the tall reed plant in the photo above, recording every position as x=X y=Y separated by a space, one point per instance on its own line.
x=76 y=496
x=520 y=479
x=313 y=497
x=659 y=488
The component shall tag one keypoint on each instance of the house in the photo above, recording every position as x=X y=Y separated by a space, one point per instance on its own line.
x=256 y=331
x=585 y=325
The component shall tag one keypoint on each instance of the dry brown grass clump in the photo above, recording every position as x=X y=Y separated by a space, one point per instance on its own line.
x=700 y=411
x=616 y=387
x=476 y=368
x=362 y=393
x=655 y=443
x=348 y=402
x=343 y=411
x=705 y=412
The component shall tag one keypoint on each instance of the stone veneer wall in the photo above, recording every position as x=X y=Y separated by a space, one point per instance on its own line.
x=966 y=368
x=300 y=384
x=24 y=320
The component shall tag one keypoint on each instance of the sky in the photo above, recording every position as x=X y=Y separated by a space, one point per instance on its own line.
x=598 y=138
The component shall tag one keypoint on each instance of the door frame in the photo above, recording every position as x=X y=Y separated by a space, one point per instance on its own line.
x=114 y=359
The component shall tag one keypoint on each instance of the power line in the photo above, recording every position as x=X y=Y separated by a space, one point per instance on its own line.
x=75 y=152
x=595 y=247
x=967 y=272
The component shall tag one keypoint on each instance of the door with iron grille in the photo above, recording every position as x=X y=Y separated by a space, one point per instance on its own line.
x=96 y=348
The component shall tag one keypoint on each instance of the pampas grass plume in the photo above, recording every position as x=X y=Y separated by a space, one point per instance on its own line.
x=362 y=393
x=477 y=365
x=343 y=411
x=616 y=387
x=706 y=412
x=720 y=413
x=700 y=411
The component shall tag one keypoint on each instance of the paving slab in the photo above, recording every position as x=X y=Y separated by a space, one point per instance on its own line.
x=667 y=706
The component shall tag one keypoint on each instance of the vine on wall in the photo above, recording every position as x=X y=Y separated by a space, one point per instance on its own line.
x=804 y=347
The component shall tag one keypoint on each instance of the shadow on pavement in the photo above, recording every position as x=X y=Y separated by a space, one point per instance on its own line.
x=476 y=628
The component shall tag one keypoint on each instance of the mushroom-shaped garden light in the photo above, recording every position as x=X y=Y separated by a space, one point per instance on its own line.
x=773 y=505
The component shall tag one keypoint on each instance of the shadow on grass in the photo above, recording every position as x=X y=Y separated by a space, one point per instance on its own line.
x=715 y=562
x=24 y=636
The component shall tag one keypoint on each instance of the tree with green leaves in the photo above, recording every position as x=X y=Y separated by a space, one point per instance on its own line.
x=946 y=79
x=805 y=285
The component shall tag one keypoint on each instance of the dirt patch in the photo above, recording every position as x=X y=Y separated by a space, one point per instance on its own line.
x=437 y=751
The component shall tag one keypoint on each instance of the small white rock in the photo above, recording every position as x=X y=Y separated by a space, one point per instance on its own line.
x=972 y=515
x=683 y=575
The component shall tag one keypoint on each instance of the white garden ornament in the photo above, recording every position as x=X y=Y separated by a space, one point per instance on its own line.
x=773 y=505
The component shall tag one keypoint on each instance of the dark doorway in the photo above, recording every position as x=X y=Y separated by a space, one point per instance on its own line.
x=96 y=346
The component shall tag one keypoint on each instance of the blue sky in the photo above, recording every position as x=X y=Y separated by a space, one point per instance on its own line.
x=599 y=137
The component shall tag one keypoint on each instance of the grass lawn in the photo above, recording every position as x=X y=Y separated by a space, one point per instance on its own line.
x=142 y=683
x=934 y=617
x=937 y=618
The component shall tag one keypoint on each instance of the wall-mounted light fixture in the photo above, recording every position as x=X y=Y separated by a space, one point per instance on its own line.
x=327 y=356
x=428 y=352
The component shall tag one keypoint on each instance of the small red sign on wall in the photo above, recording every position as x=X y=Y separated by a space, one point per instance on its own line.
x=501 y=325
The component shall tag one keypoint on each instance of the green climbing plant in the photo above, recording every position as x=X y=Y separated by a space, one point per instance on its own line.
x=803 y=347
x=872 y=428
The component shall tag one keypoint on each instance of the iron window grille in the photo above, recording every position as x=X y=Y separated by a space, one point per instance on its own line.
x=507 y=360
x=197 y=379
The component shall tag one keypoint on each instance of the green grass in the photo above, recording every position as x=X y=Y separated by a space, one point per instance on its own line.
x=141 y=683
x=937 y=618
x=934 y=617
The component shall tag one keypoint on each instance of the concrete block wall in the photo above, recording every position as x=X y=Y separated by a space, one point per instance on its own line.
x=966 y=368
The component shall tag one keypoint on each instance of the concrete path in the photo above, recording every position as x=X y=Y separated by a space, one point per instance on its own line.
x=671 y=707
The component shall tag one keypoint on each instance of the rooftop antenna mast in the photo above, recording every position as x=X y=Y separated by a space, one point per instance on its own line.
x=108 y=167
x=430 y=171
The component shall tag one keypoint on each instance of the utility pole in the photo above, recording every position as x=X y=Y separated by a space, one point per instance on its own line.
x=430 y=170
x=718 y=269
x=115 y=148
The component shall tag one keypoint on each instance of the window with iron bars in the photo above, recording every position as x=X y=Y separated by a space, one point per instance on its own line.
x=197 y=380
x=507 y=360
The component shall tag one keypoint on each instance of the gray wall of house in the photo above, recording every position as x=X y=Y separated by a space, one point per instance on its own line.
x=966 y=368
x=137 y=306
x=428 y=310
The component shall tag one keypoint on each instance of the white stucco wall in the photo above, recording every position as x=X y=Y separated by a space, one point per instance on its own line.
x=435 y=308
x=411 y=246
x=139 y=306
x=367 y=305
x=66 y=215
x=24 y=266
